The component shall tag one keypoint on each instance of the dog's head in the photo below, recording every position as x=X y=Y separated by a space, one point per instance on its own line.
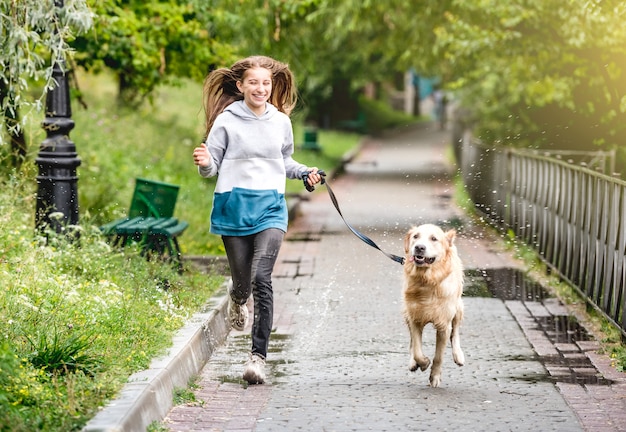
x=425 y=244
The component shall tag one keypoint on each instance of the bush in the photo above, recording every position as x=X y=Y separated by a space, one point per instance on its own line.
x=379 y=116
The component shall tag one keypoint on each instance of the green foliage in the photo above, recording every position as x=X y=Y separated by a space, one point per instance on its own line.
x=146 y=44
x=618 y=354
x=21 y=390
x=535 y=73
x=545 y=74
x=186 y=395
x=334 y=47
x=380 y=117
x=31 y=32
x=612 y=343
x=157 y=427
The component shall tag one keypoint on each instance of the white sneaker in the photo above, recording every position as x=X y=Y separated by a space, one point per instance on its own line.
x=237 y=314
x=254 y=373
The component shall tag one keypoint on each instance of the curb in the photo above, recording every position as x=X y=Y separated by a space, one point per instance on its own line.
x=148 y=394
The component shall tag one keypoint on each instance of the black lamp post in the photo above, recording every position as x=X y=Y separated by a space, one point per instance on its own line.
x=57 y=182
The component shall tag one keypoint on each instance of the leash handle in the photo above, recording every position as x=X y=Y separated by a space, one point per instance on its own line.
x=305 y=178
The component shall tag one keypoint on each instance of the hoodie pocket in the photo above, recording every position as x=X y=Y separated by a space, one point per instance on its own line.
x=245 y=208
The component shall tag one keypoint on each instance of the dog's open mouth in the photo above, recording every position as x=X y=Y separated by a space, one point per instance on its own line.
x=422 y=260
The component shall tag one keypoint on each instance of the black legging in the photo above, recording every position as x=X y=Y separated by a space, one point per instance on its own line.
x=251 y=259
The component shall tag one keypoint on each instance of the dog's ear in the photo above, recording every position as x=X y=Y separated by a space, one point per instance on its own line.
x=407 y=240
x=451 y=235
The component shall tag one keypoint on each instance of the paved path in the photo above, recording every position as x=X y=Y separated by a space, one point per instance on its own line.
x=339 y=353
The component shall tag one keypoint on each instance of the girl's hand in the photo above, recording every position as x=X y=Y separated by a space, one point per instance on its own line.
x=313 y=177
x=201 y=156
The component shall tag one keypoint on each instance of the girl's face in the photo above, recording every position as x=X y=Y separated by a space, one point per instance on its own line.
x=256 y=87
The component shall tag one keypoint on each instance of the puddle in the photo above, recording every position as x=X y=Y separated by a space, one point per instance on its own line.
x=503 y=283
x=595 y=378
x=304 y=236
x=563 y=329
x=240 y=344
x=570 y=365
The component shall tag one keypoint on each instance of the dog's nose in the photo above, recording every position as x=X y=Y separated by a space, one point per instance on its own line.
x=419 y=249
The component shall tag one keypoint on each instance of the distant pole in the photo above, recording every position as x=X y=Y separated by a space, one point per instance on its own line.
x=57 y=182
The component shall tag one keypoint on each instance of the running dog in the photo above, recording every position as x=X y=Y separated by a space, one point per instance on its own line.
x=433 y=286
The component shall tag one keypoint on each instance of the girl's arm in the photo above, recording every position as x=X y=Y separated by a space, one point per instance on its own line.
x=209 y=155
x=202 y=158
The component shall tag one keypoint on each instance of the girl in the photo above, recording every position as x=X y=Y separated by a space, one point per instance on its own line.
x=250 y=144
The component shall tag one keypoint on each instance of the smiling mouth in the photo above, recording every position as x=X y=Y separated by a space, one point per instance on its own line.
x=422 y=260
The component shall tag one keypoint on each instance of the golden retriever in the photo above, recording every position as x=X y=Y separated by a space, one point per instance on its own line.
x=433 y=286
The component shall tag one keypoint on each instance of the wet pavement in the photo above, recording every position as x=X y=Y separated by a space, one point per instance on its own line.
x=339 y=357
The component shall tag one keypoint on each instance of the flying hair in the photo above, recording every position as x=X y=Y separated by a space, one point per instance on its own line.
x=220 y=87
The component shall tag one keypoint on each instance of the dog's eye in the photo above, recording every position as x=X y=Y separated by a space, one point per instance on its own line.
x=416 y=236
x=433 y=238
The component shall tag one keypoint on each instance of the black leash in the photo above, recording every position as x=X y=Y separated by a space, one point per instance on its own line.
x=360 y=235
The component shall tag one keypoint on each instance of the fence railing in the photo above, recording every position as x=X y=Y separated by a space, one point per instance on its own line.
x=573 y=216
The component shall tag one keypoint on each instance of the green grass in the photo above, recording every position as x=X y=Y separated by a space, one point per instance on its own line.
x=78 y=318
x=186 y=395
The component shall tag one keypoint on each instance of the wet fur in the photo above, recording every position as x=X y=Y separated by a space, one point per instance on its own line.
x=432 y=295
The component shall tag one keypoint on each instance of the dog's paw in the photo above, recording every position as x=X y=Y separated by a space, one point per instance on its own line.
x=459 y=357
x=422 y=364
x=435 y=380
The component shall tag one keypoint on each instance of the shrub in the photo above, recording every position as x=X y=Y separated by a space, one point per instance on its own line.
x=380 y=116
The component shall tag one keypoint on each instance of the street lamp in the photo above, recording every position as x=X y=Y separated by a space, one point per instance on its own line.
x=57 y=182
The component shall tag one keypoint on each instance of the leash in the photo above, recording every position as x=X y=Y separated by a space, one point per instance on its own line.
x=360 y=235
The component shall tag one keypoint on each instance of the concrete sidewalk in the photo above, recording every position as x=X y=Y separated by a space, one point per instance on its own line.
x=338 y=357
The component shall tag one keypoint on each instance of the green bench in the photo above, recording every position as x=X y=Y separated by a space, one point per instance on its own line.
x=150 y=221
x=358 y=125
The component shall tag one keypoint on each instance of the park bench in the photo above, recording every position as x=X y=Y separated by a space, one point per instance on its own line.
x=150 y=222
x=357 y=125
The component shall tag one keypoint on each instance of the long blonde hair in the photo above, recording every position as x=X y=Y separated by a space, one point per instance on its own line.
x=220 y=87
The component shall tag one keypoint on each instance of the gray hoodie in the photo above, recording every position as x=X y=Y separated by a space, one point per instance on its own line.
x=252 y=155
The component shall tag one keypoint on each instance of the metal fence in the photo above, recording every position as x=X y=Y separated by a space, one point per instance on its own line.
x=571 y=214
